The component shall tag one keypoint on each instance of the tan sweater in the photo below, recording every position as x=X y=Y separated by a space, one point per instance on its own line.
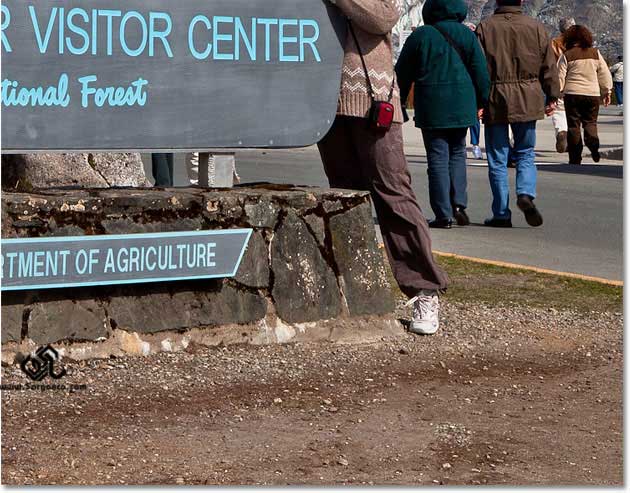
x=584 y=72
x=373 y=21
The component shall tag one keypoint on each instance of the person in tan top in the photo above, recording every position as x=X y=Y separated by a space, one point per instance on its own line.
x=559 y=117
x=585 y=82
x=358 y=156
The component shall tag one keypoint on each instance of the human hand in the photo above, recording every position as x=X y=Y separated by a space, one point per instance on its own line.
x=550 y=109
x=607 y=99
x=480 y=114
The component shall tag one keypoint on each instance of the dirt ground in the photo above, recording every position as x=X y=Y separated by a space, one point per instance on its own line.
x=504 y=394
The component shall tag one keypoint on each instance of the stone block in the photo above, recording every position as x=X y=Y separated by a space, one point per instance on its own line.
x=222 y=206
x=184 y=308
x=128 y=226
x=254 y=268
x=11 y=322
x=305 y=287
x=28 y=171
x=360 y=262
x=120 y=169
x=59 y=320
x=263 y=214
x=316 y=224
x=99 y=170
x=230 y=305
x=148 y=311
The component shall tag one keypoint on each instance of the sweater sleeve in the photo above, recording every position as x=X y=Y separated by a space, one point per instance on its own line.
x=603 y=76
x=548 y=68
x=562 y=72
x=373 y=16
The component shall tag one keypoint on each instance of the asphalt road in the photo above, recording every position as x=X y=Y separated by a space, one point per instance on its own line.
x=582 y=206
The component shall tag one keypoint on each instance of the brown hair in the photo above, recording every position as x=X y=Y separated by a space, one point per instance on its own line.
x=578 y=36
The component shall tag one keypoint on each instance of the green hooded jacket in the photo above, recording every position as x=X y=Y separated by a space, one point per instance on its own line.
x=448 y=90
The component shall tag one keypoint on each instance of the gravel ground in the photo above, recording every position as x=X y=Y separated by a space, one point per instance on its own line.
x=502 y=395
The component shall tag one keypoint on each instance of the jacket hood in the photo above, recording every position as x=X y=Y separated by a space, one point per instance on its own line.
x=435 y=11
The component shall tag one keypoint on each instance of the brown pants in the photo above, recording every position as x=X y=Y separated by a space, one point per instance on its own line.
x=581 y=111
x=359 y=158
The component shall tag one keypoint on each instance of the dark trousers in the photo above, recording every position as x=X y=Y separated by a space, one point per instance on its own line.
x=581 y=111
x=359 y=158
x=618 y=92
x=446 y=156
x=162 y=168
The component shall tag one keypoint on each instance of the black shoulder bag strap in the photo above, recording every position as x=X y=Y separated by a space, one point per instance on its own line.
x=365 y=69
x=458 y=49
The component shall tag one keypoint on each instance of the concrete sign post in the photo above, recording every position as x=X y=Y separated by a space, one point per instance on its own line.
x=41 y=263
x=158 y=75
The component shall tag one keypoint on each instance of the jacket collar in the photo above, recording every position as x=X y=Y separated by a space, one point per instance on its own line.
x=509 y=9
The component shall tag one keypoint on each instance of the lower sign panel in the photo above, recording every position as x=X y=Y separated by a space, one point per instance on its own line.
x=41 y=263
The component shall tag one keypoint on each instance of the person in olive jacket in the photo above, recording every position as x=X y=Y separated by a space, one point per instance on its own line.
x=524 y=89
x=445 y=62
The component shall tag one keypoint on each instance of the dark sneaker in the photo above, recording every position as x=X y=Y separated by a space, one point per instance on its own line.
x=532 y=215
x=562 y=142
x=461 y=218
x=441 y=223
x=595 y=155
x=495 y=222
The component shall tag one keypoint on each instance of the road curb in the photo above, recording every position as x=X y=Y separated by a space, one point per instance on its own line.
x=539 y=270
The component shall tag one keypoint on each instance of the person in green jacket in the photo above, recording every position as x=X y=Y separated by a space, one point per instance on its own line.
x=446 y=64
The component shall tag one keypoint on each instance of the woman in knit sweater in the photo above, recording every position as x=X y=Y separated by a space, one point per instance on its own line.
x=585 y=81
x=357 y=156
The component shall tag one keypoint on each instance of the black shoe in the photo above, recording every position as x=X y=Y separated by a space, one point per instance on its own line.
x=498 y=223
x=441 y=223
x=595 y=155
x=532 y=215
x=576 y=163
x=461 y=218
x=562 y=142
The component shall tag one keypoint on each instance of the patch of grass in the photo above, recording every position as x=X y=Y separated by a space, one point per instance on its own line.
x=477 y=282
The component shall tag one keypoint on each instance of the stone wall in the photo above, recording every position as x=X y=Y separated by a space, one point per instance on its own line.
x=312 y=264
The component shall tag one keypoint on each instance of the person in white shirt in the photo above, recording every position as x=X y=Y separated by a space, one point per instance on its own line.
x=617 y=74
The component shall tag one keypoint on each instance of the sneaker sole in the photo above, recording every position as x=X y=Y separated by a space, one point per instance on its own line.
x=422 y=332
x=441 y=226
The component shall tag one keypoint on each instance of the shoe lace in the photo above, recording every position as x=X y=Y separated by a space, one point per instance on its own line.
x=422 y=304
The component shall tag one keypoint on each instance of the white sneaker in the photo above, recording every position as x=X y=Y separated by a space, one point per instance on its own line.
x=476 y=150
x=426 y=308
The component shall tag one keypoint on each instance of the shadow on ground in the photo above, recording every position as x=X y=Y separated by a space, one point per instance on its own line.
x=602 y=170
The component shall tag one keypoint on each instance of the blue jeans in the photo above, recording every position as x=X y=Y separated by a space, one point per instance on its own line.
x=446 y=156
x=475 y=130
x=498 y=151
x=618 y=91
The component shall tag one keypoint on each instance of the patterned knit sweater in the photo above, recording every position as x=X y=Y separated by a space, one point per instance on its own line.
x=372 y=21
